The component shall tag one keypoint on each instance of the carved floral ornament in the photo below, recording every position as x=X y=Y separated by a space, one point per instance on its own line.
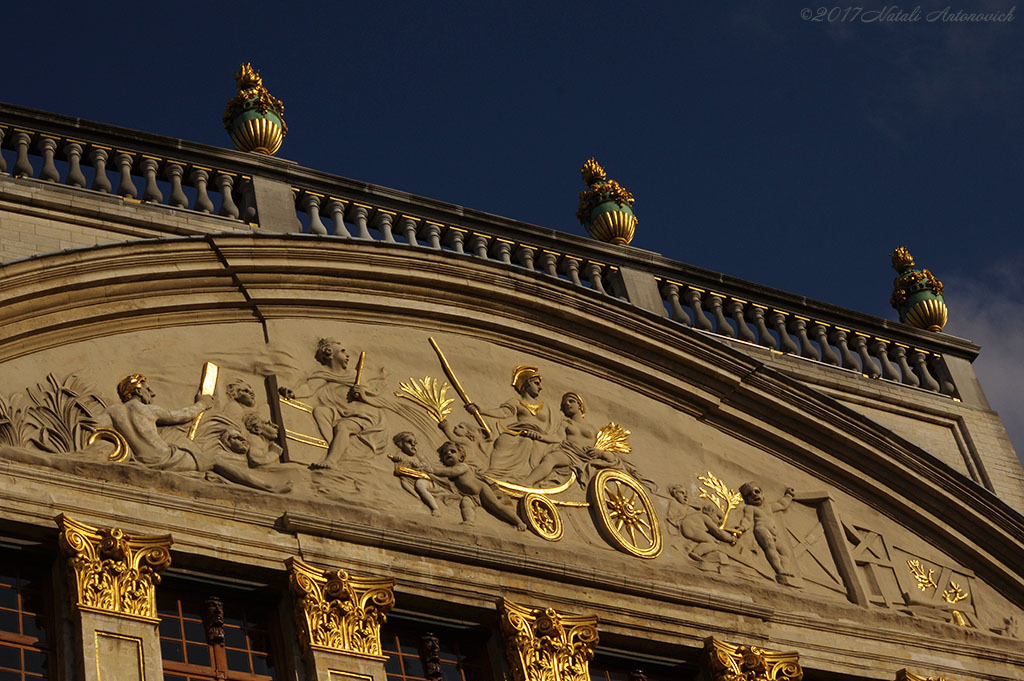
x=904 y=675
x=337 y=611
x=543 y=645
x=727 y=662
x=112 y=571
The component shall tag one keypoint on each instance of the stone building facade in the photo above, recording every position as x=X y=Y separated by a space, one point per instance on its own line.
x=262 y=422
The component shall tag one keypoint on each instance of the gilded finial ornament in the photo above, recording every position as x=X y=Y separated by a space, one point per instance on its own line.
x=254 y=118
x=605 y=208
x=112 y=571
x=337 y=611
x=544 y=645
x=917 y=294
x=727 y=662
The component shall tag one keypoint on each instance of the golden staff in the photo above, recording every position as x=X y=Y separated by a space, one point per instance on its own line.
x=359 y=367
x=206 y=387
x=458 y=388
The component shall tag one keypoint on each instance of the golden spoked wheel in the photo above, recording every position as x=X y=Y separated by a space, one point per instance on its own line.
x=541 y=516
x=624 y=514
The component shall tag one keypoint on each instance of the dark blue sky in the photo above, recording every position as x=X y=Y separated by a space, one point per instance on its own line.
x=792 y=153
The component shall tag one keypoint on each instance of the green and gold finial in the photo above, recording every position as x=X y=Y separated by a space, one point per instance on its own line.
x=254 y=118
x=605 y=208
x=917 y=294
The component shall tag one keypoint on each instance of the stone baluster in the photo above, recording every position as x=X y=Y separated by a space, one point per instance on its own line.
x=736 y=310
x=73 y=150
x=798 y=327
x=246 y=193
x=456 y=239
x=100 y=181
x=525 y=256
x=432 y=230
x=382 y=222
x=938 y=368
x=48 y=146
x=125 y=187
x=778 y=321
x=692 y=295
x=478 y=244
x=755 y=313
x=670 y=292
x=357 y=215
x=174 y=172
x=593 y=272
x=828 y=355
x=22 y=166
x=572 y=268
x=880 y=351
x=336 y=209
x=868 y=366
x=226 y=182
x=919 y=360
x=408 y=227
x=311 y=204
x=839 y=339
x=3 y=163
x=152 y=192
x=549 y=263
x=722 y=325
x=200 y=177
x=503 y=250
x=909 y=377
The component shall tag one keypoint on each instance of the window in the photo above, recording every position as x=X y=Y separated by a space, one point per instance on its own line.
x=222 y=635
x=462 y=651
x=24 y=643
x=612 y=667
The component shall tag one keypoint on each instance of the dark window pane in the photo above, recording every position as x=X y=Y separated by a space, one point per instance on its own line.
x=170 y=628
x=238 y=661
x=31 y=626
x=450 y=672
x=195 y=632
x=9 y=676
x=173 y=677
x=10 y=657
x=413 y=666
x=260 y=665
x=393 y=666
x=35 y=662
x=198 y=653
x=8 y=597
x=234 y=638
x=171 y=650
x=9 y=621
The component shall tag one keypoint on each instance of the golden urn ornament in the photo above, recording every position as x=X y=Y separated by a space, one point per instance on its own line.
x=254 y=118
x=605 y=208
x=917 y=294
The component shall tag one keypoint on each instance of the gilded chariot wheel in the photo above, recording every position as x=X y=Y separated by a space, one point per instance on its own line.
x=624 y=514
x=541 y=516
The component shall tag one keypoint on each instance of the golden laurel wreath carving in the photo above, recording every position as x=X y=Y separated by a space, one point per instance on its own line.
x=112 y=571
x=338 y=611
x=543 y=645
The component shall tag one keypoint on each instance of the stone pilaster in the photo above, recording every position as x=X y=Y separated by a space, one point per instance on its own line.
x=544 y=645
x=338 y=617
x=723 y=661
x=112 y=577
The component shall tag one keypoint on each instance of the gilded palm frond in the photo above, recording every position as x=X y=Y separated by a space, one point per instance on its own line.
x=430 y=394
x=719 y=494
x=613 y=438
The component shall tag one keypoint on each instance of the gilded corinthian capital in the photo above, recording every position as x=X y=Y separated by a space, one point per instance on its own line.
x=339 y=612
x=112 y=571
x=543 y=645
x=726 y=662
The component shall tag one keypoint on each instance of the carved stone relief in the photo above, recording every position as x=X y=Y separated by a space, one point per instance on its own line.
x=328 y=423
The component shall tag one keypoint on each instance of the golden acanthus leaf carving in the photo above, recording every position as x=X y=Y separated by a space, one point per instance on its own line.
x=338 y=611
x=543 y=645
x=727 y=662
x=905 y=675
x=111 y=570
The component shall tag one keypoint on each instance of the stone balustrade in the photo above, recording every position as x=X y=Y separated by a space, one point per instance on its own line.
x=796 y=333
x=277 y=195
x=79 y=160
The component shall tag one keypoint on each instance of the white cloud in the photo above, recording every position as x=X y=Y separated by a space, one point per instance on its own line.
x=989 y=310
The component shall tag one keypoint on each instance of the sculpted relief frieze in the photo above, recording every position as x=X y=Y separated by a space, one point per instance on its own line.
x=450 y=431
